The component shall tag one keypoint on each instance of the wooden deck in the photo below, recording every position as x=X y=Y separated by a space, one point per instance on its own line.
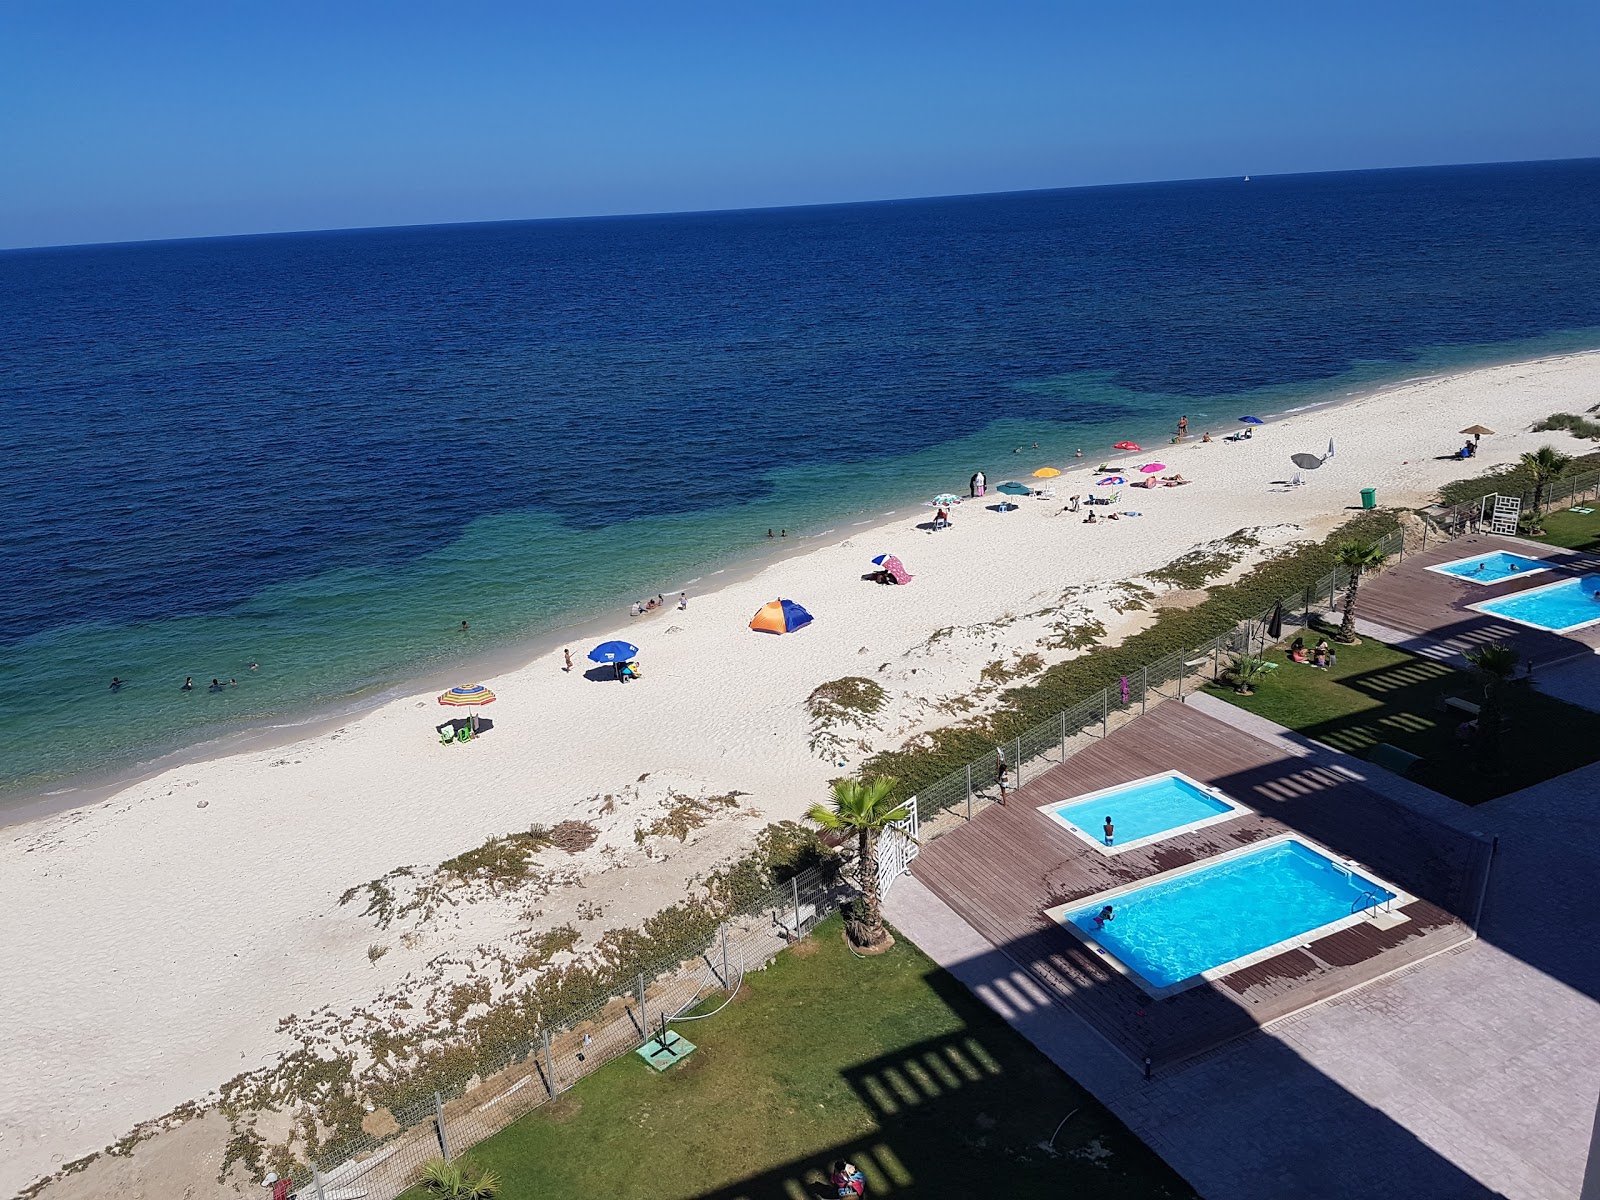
x=1414 y=600
x=1004 y=868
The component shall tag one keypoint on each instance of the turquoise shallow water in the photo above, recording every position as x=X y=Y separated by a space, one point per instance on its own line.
x=323 y=452
x=1142 y=811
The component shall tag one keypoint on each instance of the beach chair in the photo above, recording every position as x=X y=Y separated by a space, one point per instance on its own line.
x=446 y=736
x=464 y=734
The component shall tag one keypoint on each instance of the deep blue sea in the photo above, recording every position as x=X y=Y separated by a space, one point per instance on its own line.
x=323 y=451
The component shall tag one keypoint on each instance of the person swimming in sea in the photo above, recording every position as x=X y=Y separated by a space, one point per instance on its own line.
x=188 y=684
x=116 y=683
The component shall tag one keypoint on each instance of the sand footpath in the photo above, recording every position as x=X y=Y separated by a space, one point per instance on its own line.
x=154 y=941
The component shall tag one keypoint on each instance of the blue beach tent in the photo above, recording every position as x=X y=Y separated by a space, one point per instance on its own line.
x=780 y=616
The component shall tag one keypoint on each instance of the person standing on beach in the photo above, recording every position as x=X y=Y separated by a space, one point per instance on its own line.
x=683 y=601
x=568 y=655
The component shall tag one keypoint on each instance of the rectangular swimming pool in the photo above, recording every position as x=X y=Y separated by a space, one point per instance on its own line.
x=1142 y=811
x=1492 y=568
x=1557 y=607
x=1198 y=922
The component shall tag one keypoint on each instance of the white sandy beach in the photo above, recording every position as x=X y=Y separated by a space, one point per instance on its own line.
x=154 y=941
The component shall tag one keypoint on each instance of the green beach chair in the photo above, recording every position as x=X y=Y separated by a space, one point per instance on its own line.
x=446 y=736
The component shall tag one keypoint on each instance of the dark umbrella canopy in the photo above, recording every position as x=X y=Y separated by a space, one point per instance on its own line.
x=1308 y=462
x=1275 y=622
x=1015 y=489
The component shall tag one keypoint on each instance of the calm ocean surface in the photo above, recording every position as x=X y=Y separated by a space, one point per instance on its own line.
x=324 y=451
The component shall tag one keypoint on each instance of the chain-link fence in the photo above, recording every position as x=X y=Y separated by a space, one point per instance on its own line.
x=1052 y=741
x=451 y=1114
x=1473 y=515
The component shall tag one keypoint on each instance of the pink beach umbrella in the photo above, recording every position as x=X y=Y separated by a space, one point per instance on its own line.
x=1152 y=468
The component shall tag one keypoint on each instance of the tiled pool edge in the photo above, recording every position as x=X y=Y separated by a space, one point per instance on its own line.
x=1444 y=568
x=1562 y=631
x=1222 y=970
x=1236 y=809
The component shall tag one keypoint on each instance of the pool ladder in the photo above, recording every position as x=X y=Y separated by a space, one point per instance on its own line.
x=1367 y=901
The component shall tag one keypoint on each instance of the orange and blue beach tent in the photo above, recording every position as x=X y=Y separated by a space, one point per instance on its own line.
x=781 y=616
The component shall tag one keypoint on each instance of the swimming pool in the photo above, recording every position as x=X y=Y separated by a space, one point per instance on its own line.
x=1142 y=811
x=1492 y=568
x=1208 y=919
x=1558 y=607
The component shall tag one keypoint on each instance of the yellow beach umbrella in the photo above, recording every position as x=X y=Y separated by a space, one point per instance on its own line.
x=1046 y=473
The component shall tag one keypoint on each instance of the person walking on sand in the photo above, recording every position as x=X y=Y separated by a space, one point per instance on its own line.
x=1110 y=830
x=683 y=601
x=567 y=654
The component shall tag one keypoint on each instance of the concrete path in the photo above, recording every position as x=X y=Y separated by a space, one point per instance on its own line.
x=1475 y=1074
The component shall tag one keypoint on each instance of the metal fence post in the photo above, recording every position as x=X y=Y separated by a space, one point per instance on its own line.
x=1105 y=712
x=725 y=956
x=969 y=791
x=1063 y=735
x=644 y=1018
x=795 y=885
x=1183 y=665
x=1019 y=760
x=1144 y=686
x=316 y=1182
x=551 y=1085
x=438 y=1116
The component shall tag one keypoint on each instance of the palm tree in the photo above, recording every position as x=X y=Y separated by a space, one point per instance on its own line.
x=865 y=809
x=1544 y=466
x=1244 y=670
x=457 y=1181
x=1358 y=558
x=1497 y=664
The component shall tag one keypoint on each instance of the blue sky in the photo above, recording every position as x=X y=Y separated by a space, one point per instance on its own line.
x=143 y=119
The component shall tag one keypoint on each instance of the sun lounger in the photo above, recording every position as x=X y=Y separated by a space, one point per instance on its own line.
x=446 y=736
x=464 y=734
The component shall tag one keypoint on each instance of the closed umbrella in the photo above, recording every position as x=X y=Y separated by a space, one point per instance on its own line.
x=1275 y=622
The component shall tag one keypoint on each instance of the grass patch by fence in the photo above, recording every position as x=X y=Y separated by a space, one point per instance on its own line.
x=1375 y=693
x=1575 y=531
x=1510 y=481
x=949 y=749
x=886 y=1061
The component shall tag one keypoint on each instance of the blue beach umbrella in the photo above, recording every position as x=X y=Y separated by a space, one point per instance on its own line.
x=613 y=652
x=879 y=561
x=1252 y=420
x=1114 y=480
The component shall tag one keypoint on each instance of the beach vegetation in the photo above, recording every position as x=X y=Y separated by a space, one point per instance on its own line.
x=933 y=754
x=684 y=814
x=1197 y=567
x=781 y=1086
x=863 y=810
x=375 y=952
x=1496 y=665
x=853 y=702
x=1543 y=467
x=1357 y=556
x=1511 y=480
x=1023 y=667
x=444 y=1179
x=1575 y=425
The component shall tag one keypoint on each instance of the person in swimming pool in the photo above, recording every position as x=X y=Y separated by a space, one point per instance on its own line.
x=1111 y=831
x=1104 y=915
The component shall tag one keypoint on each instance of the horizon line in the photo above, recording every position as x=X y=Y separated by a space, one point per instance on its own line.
x=764 y=208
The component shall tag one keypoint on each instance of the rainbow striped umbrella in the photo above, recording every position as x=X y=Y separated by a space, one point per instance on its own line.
x=465 y=695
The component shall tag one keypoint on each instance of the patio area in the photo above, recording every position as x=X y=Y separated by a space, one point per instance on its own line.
x=1003 y=869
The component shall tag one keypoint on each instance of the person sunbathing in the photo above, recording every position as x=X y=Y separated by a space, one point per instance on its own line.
x=1149 y=481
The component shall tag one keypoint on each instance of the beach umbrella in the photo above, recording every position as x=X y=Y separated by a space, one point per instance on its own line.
x=1046 y=473
x=945 y=500
x=1252 y=420
x=1112 y=479
x=1306 y=462
x=1012 y=488
x=1125 y=445
x=1152 y=468
x=1275 y=622
x=1477 y=431
x=613 y=652
x=894 y=566
x=466 y=696
x=780 y=616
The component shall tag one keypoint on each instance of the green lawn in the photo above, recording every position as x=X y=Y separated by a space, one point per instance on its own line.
x=1575 y=531
x=1379 y=694
x=887 y=1061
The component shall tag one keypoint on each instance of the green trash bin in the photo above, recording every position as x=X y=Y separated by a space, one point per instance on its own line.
x=1369 y=497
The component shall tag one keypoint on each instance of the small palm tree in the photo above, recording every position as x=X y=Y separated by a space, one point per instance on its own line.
x=1544 y=466
x=865 y=809
x=458 y=1181
x=1358 y=558
x=1496 y=663
x=1245 y=671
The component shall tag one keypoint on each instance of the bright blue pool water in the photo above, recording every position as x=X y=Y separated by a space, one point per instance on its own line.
x=1492 y=568
x=1142 y=809
x=1173 y=930
x=1558 y=607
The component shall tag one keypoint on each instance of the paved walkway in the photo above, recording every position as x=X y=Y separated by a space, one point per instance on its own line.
x=1475 y=1074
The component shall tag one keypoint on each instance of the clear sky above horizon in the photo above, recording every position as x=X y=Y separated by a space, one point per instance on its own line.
x=125 y=121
